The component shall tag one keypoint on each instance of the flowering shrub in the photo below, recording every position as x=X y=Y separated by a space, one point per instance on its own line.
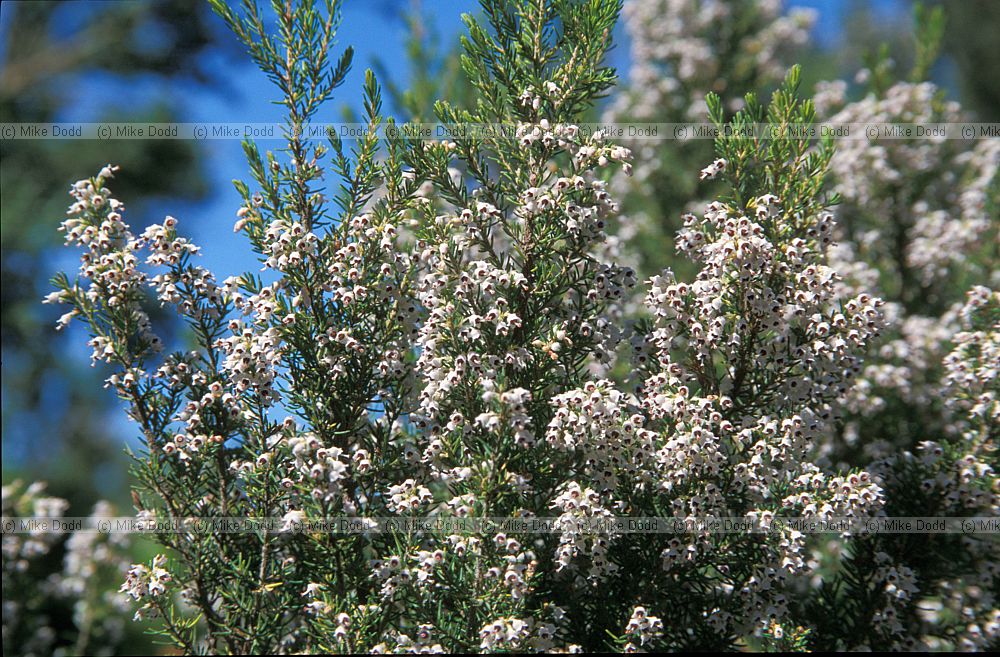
x=431 y=336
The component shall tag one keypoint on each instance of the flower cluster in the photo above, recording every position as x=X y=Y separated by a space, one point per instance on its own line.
x=643 y=628
x=575 y=505
x=681 y=51
x=408 y=496
x=146 y=584
x=612 y=445
x=525 y=634
x=972 y=369
x=251 y=358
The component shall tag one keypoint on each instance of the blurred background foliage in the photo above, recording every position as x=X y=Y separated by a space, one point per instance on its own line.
x=55 y=420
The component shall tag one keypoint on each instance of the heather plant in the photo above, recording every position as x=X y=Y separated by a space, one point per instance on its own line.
x=334 y=341
x=894 y=592
x=430 y=335
x=917 y=222
x=319 y=340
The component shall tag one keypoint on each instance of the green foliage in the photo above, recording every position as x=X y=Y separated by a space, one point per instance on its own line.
x=783 y=160
x=929 y=33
